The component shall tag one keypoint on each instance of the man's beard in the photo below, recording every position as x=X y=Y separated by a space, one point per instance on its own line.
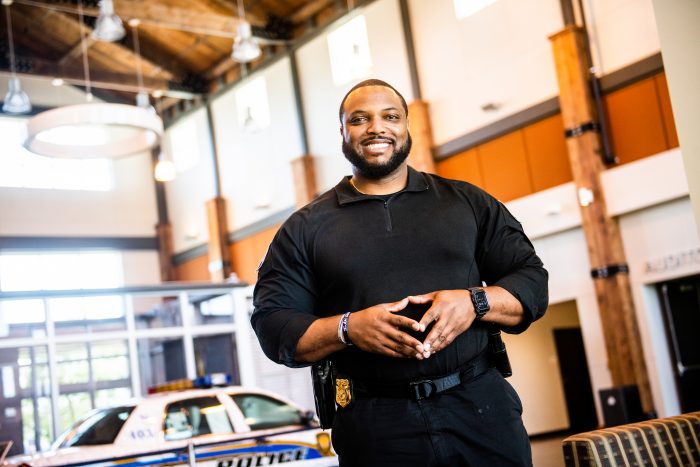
x=377 y=171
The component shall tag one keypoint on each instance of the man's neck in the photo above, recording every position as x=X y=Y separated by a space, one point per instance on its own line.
x=395 y=181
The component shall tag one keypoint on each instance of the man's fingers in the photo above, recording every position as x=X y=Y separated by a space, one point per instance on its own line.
x=403 y=322
x=438 y=337
x=432 y=314
x=425 y=298
x=396 y=306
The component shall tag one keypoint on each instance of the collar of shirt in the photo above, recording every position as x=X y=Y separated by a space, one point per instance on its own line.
x=347 y=194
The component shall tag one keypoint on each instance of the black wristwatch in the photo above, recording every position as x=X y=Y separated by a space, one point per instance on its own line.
x=481 y=303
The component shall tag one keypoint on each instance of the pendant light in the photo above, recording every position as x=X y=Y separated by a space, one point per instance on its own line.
x=16 y=101
x=142 y=99
x=245 y=47
x=108 y=27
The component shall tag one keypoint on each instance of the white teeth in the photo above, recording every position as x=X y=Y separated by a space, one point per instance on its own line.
x=378 y=146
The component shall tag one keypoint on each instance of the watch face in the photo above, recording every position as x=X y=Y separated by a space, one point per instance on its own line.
x=480 y=301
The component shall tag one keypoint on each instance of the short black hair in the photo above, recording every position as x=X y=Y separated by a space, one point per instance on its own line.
x=371 y=82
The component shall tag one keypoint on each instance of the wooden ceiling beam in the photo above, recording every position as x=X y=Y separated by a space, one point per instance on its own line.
x=162 y=16
x=98 y=78
x=309 y=10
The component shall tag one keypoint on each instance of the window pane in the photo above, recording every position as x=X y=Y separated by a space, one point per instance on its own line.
x=22 y=318
x=99 y=270
x=72 y=407
x=58 y=271
x=262 y=412
x=21 y=168
x=72 y=364
x=196 y=417
x=160 y=360
x=19 y=272
x=110 y=368
x=67 y=309
x=109 y=397
x=350 y=56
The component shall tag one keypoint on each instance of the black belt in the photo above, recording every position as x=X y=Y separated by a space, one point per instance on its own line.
x=423 y=388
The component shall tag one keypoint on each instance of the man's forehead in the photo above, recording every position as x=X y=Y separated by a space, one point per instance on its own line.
x=372 y=94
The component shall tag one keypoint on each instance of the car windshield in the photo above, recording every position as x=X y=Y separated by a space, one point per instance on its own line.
x=99 y=427
x=262 y=412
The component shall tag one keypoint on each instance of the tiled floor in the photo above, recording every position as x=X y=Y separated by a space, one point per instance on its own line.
x=546 y=452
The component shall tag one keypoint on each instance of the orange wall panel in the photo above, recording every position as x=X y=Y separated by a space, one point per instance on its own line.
x=463 y=166
x=547 y=154
x=666 y=111
x=196 y=269
x=634 y=120
x=243 y=260
x=505 y=167
x=246 y=254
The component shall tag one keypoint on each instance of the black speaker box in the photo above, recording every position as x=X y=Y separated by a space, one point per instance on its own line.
x=621 y=405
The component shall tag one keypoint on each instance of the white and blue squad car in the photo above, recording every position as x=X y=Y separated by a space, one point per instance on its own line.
x=229 y=426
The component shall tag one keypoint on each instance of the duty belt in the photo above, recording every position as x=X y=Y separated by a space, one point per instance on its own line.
x=423 y=388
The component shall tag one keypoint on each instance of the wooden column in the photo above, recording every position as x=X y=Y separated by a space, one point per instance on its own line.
x=164 y=233
x=421 y=157
x=304 y=174
x=602 y=233
x=219 y=253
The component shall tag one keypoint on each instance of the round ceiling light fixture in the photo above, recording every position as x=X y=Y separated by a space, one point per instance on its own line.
x=92 y=131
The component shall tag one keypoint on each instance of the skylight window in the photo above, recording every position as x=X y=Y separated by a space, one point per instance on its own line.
x=465 y=8
x=349 y=51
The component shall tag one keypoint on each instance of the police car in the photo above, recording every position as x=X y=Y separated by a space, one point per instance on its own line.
x=183 y=425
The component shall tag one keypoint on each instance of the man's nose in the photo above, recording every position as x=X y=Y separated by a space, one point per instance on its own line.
x=376 y=126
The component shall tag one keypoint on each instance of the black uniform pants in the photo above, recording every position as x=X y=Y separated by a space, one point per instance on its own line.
x=477 y=423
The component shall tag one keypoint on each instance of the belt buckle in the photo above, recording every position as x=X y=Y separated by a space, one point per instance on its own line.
x=422 y=389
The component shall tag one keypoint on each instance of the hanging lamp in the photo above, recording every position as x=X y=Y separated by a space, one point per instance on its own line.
x=16 y=100
x=108 y=27
x=245 y=47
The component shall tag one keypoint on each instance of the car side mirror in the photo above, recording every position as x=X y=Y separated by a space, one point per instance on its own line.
x=308 y=417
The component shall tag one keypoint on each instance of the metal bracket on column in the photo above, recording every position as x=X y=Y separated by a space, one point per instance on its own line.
x=581 y=129
x=609 y=271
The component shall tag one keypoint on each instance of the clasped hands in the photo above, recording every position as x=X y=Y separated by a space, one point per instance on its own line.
x=379 y=329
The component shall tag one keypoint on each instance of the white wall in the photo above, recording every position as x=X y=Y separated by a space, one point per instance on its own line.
x=666 y=230
x=502 y=55
x=621 y=31
x=128 y=210
x=536 y=374
x=187 y=194
x=256 y=175
x=322 y=98
x=650 y=198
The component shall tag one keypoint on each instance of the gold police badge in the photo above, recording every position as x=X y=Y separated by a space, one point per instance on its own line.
x=343 y=395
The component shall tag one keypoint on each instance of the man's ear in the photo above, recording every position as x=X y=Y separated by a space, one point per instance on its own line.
x=341 y=130
x=408 y=124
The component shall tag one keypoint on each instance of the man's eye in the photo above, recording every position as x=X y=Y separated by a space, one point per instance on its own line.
x=392 y=117
x=358 y=119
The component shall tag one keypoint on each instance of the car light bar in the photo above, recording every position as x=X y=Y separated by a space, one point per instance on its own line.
x=202 y=382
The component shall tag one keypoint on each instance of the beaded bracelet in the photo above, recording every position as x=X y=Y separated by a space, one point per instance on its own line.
x=343 y=329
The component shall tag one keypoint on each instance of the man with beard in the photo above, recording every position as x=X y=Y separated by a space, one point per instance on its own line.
x=384 y=274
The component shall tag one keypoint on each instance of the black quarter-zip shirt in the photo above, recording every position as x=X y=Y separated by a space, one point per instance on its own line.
x=347 y=251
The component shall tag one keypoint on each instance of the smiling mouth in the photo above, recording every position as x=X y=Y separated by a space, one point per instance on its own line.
x=377 y=145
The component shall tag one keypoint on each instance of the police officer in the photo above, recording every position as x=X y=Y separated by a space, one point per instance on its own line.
x=396 y=275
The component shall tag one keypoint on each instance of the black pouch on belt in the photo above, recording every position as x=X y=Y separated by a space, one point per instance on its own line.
x=497 y=352
x=324 y=391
